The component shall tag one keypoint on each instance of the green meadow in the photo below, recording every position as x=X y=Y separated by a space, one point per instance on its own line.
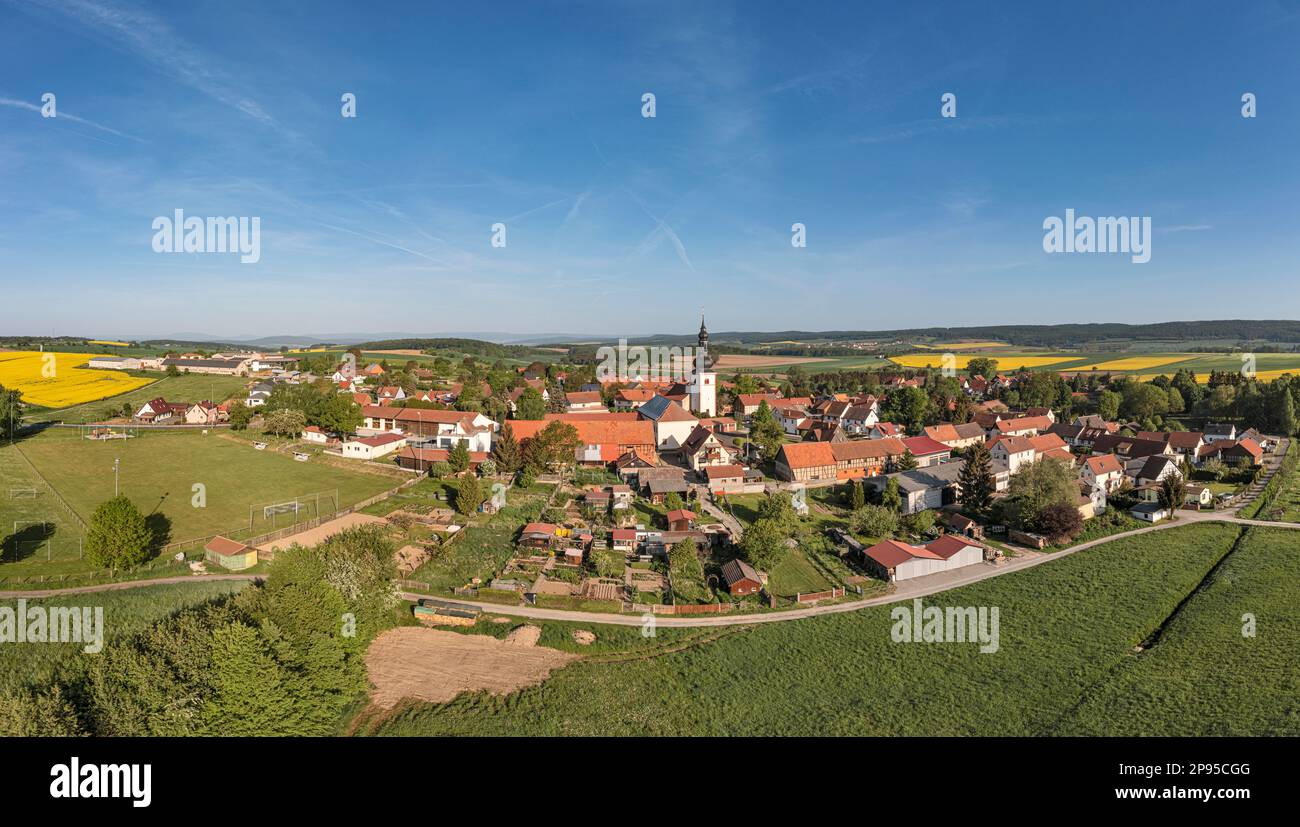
x=1068 y=660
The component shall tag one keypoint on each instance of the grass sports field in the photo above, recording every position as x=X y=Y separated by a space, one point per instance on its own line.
x=183 y=388
x=53 y=380
x=159 y=470
x=1067 y=662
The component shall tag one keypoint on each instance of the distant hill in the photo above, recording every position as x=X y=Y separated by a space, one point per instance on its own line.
x=1047 y=336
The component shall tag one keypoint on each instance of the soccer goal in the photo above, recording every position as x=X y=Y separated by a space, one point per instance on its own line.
x=23 y=493
x=300 y=509
x=27 y=540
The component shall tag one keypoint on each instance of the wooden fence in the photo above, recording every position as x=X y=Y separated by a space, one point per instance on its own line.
x=813 y=597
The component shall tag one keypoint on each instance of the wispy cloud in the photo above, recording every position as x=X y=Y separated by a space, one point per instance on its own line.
x=158 y=44
x=62 y=115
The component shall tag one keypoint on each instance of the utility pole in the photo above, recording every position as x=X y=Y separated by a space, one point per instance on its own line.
x=116 y=462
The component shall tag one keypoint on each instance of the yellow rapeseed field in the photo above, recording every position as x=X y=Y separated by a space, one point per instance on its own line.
x=107 y=342
x=53 y=380
x=1005 y=361
x=1133 y=363
x=1261 y=376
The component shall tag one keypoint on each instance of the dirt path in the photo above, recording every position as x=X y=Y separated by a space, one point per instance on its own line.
x=129 y=584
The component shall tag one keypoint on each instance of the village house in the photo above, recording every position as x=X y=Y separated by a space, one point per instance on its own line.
x=1183 y=443
x=1220 y=432
x=1155 y=468
x=159 y=410
x=584 y=402
x=923 y=488
x=629 y=399
x=313 y=433
x=1012 y=451
x=603 y=438
x=672 y=423
x=824 y=461
x=956 y=436
x=725 y=479
x=203 y=413
x=883 y=430
x=1127 y=447
x=441 y=429
x=1102 y=471
x=372 y=447
x=927 y=451
x=415 y=458
x=704 y=447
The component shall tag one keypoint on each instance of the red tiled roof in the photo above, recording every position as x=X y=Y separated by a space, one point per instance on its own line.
x=921 y=446
x=809 y=454
x=867 y=449
x=716 y=472
x=891 y=553
x=1104 y=464
x=948 y=545
x=225 y=547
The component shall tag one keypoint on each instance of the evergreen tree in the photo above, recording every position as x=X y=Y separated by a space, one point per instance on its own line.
x=976 y=480
x=505 y=450
x=469 y=494
x=458 y=457
x=859 y=498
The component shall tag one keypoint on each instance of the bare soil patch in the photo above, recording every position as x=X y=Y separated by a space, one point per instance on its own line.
x=399 y=352
x=525 y=635
x=315 y=536
x=436 y=666
x=583 y=638
x=754 y=360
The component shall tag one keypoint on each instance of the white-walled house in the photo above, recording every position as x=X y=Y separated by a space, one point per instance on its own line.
x=373 y=447
x=1014 y=451
x=1102 y=471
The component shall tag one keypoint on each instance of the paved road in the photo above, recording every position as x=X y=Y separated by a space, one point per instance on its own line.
x=907 y=590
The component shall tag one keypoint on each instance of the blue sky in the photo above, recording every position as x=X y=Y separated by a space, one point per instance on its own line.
x=530 y=115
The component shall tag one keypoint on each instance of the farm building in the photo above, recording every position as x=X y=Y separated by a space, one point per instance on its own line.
x=230 y=554
x=896 y=561
x=741 y=577
x=373 y=447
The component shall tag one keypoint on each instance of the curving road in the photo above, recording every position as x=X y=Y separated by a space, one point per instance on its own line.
x=908 y=590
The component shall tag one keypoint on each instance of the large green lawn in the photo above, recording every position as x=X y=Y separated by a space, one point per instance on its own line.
x=159 y=469
x=1068 y=632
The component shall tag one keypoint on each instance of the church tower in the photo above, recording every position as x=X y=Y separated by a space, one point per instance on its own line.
x=704 y=385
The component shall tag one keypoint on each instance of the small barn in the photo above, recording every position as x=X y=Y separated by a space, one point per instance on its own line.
x=230 y=554
x=741 y=577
